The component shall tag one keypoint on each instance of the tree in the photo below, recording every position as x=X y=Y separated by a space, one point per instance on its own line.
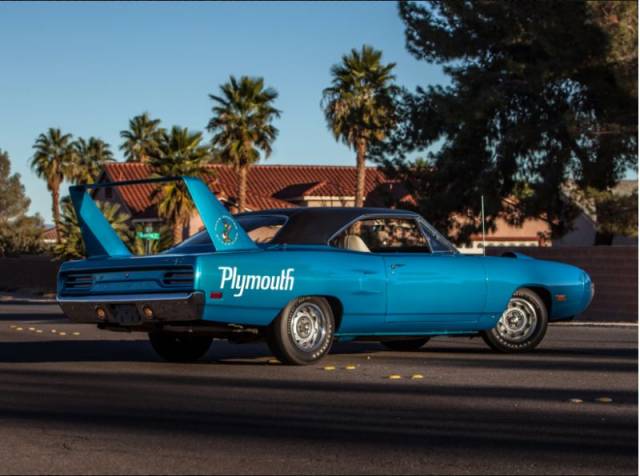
x=141 y=139
x=359 y=105
x=534 y=102
x=90 y=159
x=242 y=126
x=19 y=233
x=13 y=201
x=23 y=235
x=179 y=153
x=71 y=245
x=53 y=162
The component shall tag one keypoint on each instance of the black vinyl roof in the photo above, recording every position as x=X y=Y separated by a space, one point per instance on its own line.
x=316 y=225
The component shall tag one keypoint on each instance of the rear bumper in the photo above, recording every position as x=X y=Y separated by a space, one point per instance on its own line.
x=170 y=307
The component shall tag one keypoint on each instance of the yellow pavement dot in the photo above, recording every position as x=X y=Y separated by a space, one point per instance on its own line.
x=273 y=361
x=394 y=377
x=575 y=400
x=368 y=357
x=32 y=329
x=62 y=333
x=39 y=331
x=417 y=377
x=76 y=333
x=604 y=400
x=53 y=331
x=330 y=367
x=18 y=328
x=350 y=367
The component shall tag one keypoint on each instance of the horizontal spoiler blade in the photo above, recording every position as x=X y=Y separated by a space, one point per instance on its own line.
x=102 y=240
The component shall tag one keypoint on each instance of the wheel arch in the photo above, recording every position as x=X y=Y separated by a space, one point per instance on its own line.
x=336 y=307
x=542 y=292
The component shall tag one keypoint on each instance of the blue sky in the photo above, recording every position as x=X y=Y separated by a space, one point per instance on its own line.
x=89 y=67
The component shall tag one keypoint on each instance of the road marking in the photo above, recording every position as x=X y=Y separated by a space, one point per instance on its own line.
x=350 y=367
x=417 y=377
x=18 y=329
x=604 y=400
x=273 y=361
x=394 y=377
x=12 y=326
x=575 y=400
x=53 y=331
x=330 y=367
x=39 y=331
x=32 y=329
x=62 y=333
x=76 y=333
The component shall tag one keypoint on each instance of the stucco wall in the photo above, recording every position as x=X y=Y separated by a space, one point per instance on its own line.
x=613 y=269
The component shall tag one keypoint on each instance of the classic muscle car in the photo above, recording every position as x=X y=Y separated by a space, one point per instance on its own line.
x=301 y=278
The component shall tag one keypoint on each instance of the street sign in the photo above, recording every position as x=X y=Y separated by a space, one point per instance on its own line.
x=148 y=235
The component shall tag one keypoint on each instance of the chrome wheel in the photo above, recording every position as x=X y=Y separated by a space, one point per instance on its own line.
x=308 y=327
x=518 y=322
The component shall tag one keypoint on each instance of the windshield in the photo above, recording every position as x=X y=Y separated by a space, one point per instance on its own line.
x=260 y=228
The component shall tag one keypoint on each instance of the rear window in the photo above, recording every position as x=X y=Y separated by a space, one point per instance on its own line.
x=260 y=228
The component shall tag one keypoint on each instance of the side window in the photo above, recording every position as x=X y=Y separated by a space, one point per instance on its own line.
x=383 y=235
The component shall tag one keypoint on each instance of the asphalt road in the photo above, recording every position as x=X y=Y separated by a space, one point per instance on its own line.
x=77 y=400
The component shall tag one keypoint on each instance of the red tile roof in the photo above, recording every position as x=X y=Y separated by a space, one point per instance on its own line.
x=49 y=234
x=269 y=186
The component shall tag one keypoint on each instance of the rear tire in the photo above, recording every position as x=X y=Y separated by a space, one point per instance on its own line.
x=175 y=347
x=303 y=332
x=522 y=326
x=409 y=345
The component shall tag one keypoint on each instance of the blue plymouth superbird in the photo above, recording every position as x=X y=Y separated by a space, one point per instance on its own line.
x=302 y=278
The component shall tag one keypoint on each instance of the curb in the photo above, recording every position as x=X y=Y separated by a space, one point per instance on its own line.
x=594 y=324
x=28 y=301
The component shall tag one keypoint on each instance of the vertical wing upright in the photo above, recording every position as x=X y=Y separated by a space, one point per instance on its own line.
x=225 y=232
x=100 y=239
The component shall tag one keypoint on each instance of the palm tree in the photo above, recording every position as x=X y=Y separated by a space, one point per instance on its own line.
x=242 y=126
x=141 y=139
x=359 y=105
x=179 y=153
x=52 y=161
x=90 y=159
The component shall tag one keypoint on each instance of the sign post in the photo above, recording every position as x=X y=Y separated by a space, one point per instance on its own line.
x=148 y=235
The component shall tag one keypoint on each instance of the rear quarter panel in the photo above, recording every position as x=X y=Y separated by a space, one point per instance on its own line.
x=356 y=280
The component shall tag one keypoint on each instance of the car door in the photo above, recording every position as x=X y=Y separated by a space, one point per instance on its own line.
x=445 y=288
x=428 y=281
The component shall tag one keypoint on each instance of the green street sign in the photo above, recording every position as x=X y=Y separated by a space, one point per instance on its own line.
x=148 y=235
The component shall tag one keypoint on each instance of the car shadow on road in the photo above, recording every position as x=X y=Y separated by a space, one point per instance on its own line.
x=256 y=354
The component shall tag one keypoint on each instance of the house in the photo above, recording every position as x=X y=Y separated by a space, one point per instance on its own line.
x=584 y=226
x=48 y=236
x=285 y=186
x=269 y=186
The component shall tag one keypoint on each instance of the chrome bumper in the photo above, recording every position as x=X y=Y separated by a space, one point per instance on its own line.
x=170 y=307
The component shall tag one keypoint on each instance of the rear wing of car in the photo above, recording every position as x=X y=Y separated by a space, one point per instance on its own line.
x=101 y=239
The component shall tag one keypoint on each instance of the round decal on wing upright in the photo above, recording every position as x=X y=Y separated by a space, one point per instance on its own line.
x=226 y=230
